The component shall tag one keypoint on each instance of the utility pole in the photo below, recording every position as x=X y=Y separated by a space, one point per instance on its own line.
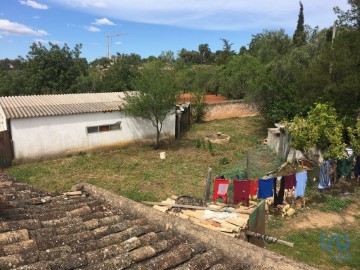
x=109 y=38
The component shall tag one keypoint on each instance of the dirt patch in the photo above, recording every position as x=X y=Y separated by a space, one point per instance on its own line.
x=315 y=219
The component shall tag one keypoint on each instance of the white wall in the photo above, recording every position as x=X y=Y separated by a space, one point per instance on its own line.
x=41 y=136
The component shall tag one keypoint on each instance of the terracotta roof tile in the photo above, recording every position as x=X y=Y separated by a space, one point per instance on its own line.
x=46 y=231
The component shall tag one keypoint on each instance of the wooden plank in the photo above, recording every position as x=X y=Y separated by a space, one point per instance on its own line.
x=161 y=208
x=194 y=213
x=237 y=222
x=197 y=207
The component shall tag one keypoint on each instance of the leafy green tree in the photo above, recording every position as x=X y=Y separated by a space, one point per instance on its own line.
x=185 y=79
x=320 y=128
x=236 y=79
x=189 y=57
x=270 y=45
x=119 y=76
x=350 y=18
x=54 y=69
x=354 y=134
x=227 y=52
x=155 y=96
x=205 y=53
x=299 y=37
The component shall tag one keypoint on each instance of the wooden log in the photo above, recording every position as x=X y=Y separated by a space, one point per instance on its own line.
x=271 y=238
x=198 y=207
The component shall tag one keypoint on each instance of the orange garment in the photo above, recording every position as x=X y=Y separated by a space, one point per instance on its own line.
x=254 y=184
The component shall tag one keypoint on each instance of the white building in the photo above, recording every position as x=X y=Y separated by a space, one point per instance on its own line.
x=46 y=125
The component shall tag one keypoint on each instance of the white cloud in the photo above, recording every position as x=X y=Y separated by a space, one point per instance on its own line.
x=103 y=21
x=92 y=29
x=17 y=29
x=1 y=36
x=46 y=41
x=118 y=43
x=36 y=17
x=213 y=14
x=33 y=4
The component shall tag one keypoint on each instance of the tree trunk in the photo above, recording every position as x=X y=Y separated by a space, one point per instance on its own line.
x=157 y=139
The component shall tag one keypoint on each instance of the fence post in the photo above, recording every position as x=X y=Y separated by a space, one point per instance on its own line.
x=208 y=184
x=247 y=166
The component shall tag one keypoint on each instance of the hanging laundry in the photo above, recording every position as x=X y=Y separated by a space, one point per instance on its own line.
x=241 y=191
x=220 y=189
x=279 y=196
x=265 y=188
x=301 y=179
x=324 y=174
x=254 y=184
x=343 y=168
x=290 y=181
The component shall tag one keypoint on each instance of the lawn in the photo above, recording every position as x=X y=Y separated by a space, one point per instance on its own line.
x=138 y=173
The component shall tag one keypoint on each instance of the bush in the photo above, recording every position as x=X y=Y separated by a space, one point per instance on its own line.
x=198 y=108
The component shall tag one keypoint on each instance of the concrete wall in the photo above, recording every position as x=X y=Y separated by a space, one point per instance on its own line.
x=228 y=109
x=280 y=143
x=42 y=136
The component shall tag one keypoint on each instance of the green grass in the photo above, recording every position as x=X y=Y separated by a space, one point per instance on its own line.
x=138 y=173
x=275 y=223
x=307 y=248
x=328 y=203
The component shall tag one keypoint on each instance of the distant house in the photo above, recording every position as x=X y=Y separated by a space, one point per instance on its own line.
x=45 y=125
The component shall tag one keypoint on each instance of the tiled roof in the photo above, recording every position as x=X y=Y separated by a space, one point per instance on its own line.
x=47 y=231
x=49 y=105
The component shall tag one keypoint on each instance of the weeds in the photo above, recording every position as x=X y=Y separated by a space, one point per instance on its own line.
x=335 y=204
x=224 y=161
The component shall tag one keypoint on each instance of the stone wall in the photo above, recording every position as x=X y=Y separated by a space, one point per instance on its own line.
x=229 y=109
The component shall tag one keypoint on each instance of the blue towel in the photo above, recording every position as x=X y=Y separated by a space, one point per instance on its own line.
x=301 y=178
x=265 y=188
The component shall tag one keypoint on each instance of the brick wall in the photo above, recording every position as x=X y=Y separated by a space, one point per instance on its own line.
x=229 y=109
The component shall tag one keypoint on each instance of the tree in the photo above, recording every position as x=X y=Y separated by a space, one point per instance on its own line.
x=299 y=38
x=238 y=76
x=224 y=56
x=155 y=96
x=205 y=52
x=350 y=18
x=320 y=128
x=54 y=69
x=120 y=75
x=270 y=45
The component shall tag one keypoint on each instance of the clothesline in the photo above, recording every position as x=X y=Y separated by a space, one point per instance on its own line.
x=262 y=188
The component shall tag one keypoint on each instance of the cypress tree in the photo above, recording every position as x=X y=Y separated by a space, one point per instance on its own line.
x=299 y=37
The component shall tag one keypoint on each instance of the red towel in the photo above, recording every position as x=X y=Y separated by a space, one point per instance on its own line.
x=241 y=191
x=254 y=184
x=220 y=189
x=290 y=181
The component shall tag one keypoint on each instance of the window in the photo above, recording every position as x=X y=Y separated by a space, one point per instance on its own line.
x=92 y=129
x=104 y=128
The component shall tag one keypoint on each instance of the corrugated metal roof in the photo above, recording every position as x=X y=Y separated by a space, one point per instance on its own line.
x=49 y=105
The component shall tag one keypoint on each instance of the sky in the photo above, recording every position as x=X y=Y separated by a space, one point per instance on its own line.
x=149 y=27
